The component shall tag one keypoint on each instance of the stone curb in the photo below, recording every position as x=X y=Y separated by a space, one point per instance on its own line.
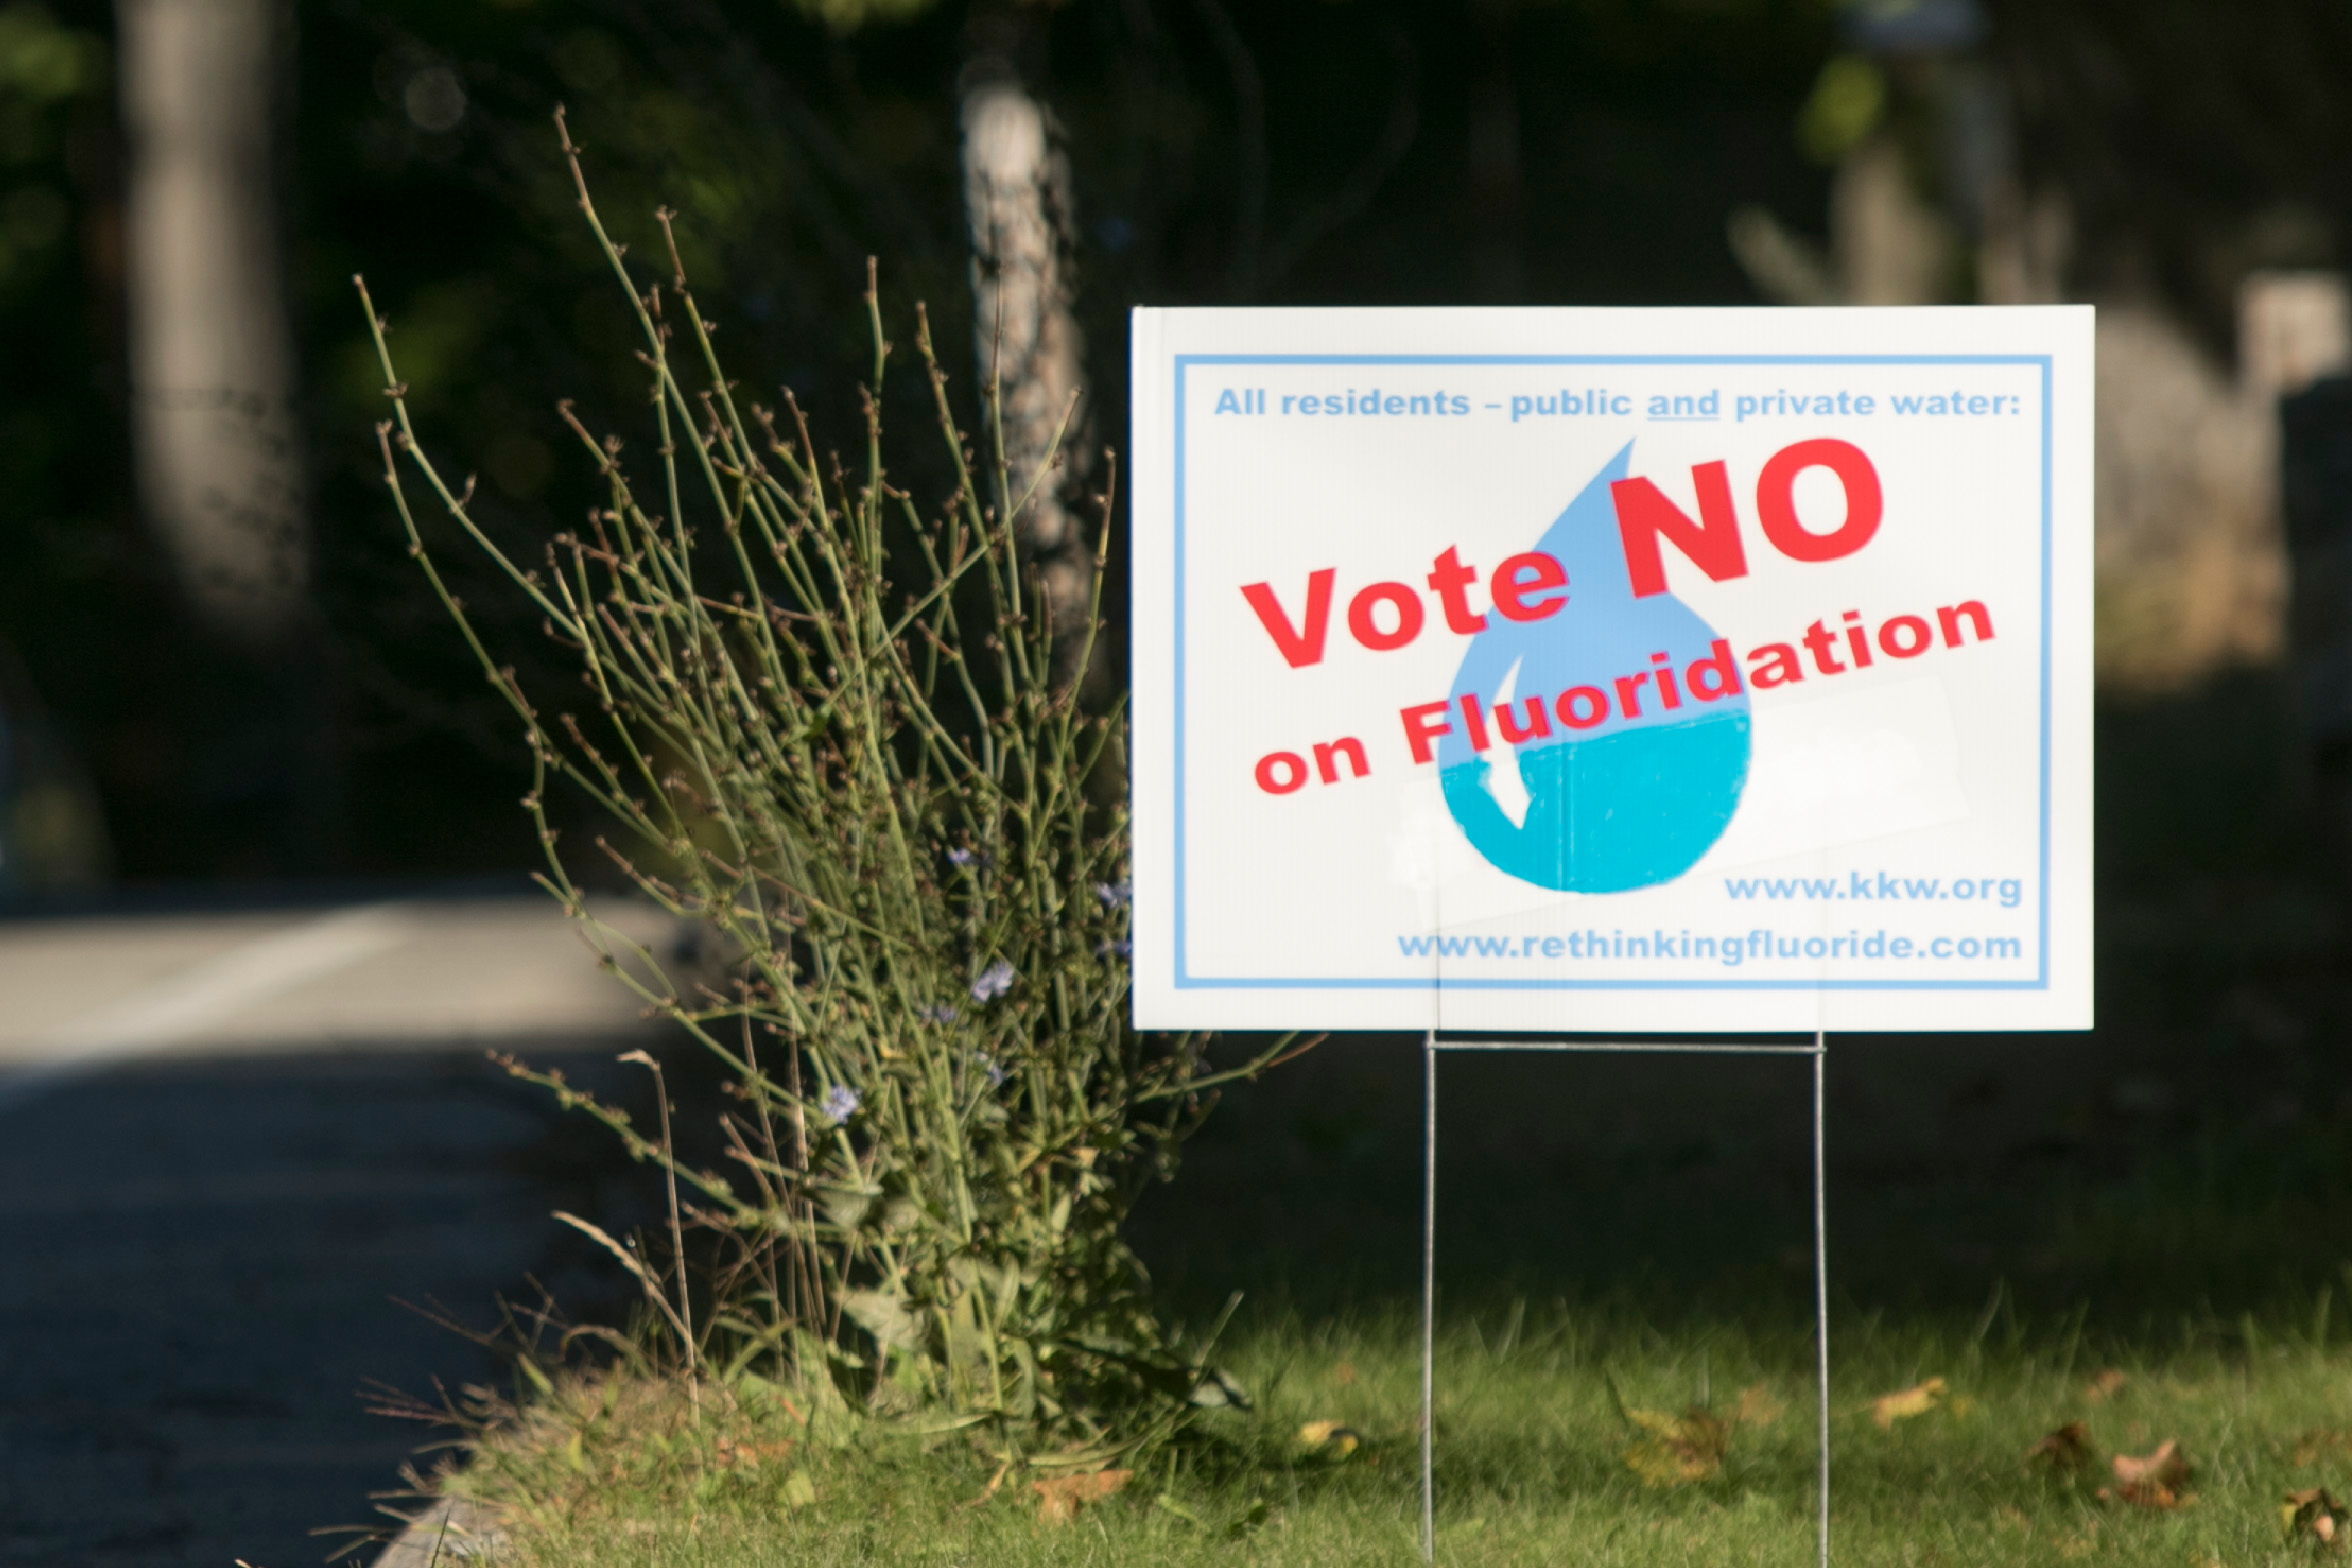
x=451 y=1531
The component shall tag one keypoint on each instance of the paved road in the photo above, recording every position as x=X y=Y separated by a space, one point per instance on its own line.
x=227 y=1143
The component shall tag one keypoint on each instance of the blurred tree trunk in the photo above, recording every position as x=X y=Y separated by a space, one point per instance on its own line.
x=1017 y=200
x=210 y=346
x=216 y=436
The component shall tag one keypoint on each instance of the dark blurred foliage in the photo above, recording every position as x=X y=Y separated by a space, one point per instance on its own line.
x=1302 y=150
x=2194 y=140
x=1307 y=151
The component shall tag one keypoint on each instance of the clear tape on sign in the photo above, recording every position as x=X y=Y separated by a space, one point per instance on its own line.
x=1847 y=769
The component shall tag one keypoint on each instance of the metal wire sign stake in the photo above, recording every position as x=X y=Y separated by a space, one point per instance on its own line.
x=1595 y=680
x=1431 y=1048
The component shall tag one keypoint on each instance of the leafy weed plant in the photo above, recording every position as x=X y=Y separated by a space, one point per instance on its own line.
x=834 y=725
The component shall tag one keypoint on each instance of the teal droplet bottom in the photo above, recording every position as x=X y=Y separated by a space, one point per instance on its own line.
x=1621 y=811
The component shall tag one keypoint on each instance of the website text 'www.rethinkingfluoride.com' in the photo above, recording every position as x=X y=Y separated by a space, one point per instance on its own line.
x=1730 y=949
x=1759 y=944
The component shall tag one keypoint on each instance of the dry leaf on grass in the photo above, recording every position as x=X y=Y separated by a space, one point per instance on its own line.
x=730 y=1452
x=2159 y=1480
x=1757 y=1407
x=2068 y=1449
x=1678 y=1449
x=2315 y=1515
x=1060 y=1498
x=1903 y=1404
x=1331 y=1438
x=2108 y=1384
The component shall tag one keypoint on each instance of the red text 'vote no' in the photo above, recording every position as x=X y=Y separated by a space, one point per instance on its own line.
x=1382 y=616
x=1532 y=586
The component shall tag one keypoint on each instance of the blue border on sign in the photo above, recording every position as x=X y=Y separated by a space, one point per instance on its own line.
x=1187 y=981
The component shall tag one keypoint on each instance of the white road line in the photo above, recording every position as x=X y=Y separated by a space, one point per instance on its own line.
x=198 y=997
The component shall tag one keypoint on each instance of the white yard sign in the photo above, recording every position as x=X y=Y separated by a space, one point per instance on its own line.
x=1657 y=670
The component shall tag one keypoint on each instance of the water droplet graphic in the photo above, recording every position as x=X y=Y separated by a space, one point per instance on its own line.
x=1630 y=799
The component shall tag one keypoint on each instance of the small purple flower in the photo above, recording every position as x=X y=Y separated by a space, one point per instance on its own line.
x=1113 y=894
x=960 y=857
x=937 y=1013
x=988 y=1067
x=994 y=982
x=840 y=1103
x=1121 y=947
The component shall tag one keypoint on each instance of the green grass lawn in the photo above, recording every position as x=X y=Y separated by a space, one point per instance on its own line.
x=2198 y=1149
x=1536 y=1462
